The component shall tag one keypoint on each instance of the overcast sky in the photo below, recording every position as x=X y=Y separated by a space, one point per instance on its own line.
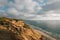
x=30 y=9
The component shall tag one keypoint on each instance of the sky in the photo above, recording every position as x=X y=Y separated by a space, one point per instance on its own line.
x=30 y=9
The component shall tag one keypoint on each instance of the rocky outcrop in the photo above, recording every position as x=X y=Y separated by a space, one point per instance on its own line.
x=12 y=29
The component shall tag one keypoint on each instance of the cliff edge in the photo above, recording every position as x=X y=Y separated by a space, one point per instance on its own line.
x=13 y=29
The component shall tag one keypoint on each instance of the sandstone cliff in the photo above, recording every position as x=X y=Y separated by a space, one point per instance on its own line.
x=12 y=29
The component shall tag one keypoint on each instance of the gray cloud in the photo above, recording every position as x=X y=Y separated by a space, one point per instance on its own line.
x=3 y=2
x=28 y=9
x=53 y=6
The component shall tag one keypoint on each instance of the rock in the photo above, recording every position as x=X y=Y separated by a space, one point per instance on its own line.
x=10 y=29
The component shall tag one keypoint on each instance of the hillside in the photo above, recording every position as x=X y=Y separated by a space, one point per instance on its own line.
x=13 y=29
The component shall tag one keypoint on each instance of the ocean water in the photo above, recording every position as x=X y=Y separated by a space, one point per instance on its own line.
x=52 y=26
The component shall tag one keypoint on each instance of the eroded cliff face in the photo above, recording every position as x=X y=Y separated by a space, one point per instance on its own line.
x=12 y=29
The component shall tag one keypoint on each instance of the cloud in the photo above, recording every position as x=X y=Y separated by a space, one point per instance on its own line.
x=12 y=11
x=3 y=2
x=31 y=9
x=27 y=5
x=23 y=8
x=53 y=6
x=49 y=15
x=3 y=14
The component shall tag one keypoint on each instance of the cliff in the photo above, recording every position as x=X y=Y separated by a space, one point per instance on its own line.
x=13 y=29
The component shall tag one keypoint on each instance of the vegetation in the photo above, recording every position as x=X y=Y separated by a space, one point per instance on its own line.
x=1 y=18
x=19 y=29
